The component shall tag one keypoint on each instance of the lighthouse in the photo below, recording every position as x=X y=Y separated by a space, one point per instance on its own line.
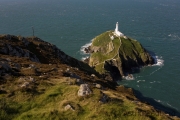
x=117 y=32
x=116 y=29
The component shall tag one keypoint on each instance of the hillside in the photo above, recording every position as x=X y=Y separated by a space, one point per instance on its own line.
x=119 y=55
x=39 y=81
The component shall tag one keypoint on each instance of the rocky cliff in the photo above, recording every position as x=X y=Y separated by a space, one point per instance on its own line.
x=117 y=55
x=36 y=50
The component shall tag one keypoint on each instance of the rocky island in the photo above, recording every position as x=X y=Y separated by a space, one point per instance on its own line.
x=39 y=81
x=114 y=53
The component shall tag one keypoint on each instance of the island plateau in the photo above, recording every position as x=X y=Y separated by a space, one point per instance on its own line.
x=113 y=52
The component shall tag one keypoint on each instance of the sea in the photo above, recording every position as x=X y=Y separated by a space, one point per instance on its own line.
x=72 y=24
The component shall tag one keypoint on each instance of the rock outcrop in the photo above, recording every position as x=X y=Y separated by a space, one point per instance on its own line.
x=36 y=50
x=84 y=90
x=31 y=56
x=118 y=56
x=68 y=107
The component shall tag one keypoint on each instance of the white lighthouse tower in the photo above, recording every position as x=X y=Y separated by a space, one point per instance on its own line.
x=117 y=32
x=116 y=29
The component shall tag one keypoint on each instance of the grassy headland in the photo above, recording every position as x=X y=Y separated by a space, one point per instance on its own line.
x=121 y=52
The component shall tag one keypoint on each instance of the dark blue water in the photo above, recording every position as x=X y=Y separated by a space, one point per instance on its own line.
x=70 y=24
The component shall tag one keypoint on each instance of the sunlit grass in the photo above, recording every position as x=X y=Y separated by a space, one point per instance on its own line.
x=50 y=105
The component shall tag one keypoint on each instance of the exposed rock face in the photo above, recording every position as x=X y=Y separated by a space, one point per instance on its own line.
x=4 y=66
x=37 y=50
x=118 y=56
x=8 y=67
x=84 y=90
x=7 y=48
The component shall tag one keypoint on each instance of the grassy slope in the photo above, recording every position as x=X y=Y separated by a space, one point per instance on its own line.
x=57 y=94
x=99 y=57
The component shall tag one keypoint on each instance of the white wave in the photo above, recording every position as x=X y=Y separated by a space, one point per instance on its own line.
x=83 y=58
x=171 y=106
x=138 y=76
x=157 y=100
x=155 y=82
x=158 y=61
x=174 y=36
x=137 y=85
x=141 y=80
x=129 y=77
x=85 y=46
x=152 y=82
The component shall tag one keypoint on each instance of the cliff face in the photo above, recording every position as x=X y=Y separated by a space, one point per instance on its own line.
x=37 y=50
x=117 y=55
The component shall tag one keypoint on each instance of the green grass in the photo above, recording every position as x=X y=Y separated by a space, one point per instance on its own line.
x=50 y=105
x=102 y=39
x=100 y=68
x=138 y=46
x=103 y=55
x=127 y=48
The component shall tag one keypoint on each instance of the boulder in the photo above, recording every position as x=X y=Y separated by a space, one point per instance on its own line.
x=104 y=98
x=98 y=86
x=79 y=81
x=68 y=107
x=73 y=75
x=25 y=85
x=4 y=67
x=17 y=66
x=7 y=77
x=27 y=79
x=84 y=90
x=32 y=66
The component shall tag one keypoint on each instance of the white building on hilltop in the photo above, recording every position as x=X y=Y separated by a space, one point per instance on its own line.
x=117 y=32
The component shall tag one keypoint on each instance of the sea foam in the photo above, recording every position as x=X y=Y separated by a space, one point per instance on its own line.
x=85 y=46
x=158 y=61
x=174 y=36
x=141 y=80
x=84 y=58
x=158 y=100
x=129 y=77
x=83 y=52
